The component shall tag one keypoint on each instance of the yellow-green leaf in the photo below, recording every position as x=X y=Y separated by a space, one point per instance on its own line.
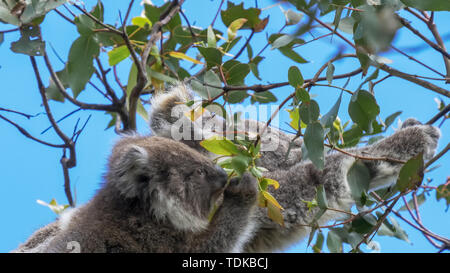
x=180 y=55
x=117 y=55
x=220 y=146
x=272 y=182
x=275 y=214
x=234 y=27
x=141 y=21
x=271 y=199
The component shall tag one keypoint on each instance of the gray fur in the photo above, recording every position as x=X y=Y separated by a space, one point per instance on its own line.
x=157 y=196
x=298 y=180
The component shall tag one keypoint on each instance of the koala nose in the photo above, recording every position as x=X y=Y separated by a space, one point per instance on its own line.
x=222 y=176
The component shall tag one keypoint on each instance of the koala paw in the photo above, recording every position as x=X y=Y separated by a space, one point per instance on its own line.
x=244 y=188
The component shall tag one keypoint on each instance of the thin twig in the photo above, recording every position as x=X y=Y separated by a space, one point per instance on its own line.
x=64 y=17
x=28 y=135
x=421 y=36
x=217 y=13
x=245 y=45
x=417 y=61
x=441 y=113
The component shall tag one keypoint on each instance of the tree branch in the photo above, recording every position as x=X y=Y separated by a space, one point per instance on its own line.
x=173 y=8
x=66 y=163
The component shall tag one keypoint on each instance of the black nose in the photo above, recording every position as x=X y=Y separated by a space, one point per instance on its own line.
x=222 y=176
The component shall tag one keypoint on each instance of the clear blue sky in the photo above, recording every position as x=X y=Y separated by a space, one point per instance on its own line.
x=30 y=171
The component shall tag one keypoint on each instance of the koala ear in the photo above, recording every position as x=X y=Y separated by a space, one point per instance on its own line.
x=130 y=170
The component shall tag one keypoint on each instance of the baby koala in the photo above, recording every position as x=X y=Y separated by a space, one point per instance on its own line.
x=157 y=197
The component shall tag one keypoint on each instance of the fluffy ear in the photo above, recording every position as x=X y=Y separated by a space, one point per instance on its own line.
x=130 y=171
x=162 y=115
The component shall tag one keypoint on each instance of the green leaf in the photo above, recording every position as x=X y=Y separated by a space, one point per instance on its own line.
x=142 y=111
x=117 y=55
x=295 y=77
x=411 y=174
x=240 y=163
x=205 y=91
x=432 y=5
x=317 y=247
x=38 y=8
x=132 y=80
x=234 y=12
x=346 y=24
x=291 y=54
x=6 y=16
x=213 y=56
x=302 y=95
x=309 y=111
x=85 y=25
x=354 y=239
x=392 y=229
x=420 y=200
x=322 y=201
x=287 y=49
x=328 y=119
x=160 y=76
x=29 y=43
x=80 y=67
x=254 y=66
x=235 y=72
x=334 y=242
x=211 y=37
x=313 y=139
x=282 y=41
x=352 y=136
x=236 y=96
x=363 y=109
x=220 y=146
x=364 y=60
x=98 y=11
x=263 y=97
x=153 y=13
x=443 y=192
x=358 y=178
x=330 y=72
x=292 y=17
x=390 y=119
x=361 y=225
x=314 y=227
x=52 y=92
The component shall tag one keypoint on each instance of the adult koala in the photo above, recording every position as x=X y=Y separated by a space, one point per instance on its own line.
x=298 y=180
x=157 y=197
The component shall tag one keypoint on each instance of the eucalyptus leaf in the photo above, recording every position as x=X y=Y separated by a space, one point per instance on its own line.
x=80 y=64
x=358 y=178
x=313 y=139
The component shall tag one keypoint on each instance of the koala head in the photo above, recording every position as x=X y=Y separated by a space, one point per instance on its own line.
x=172 y=183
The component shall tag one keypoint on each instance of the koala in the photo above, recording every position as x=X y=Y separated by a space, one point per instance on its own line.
x=298 y=179
x=157 y=197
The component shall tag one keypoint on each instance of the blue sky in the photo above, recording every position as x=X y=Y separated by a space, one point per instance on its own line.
x=30 y=171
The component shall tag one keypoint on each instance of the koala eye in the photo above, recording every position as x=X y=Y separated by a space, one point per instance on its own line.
x=200 y=172
x=142 y=178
